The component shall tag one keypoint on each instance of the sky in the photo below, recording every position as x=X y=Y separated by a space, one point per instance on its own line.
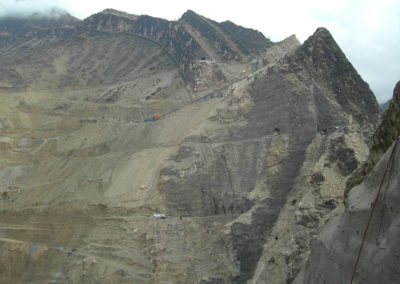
x=368 y=31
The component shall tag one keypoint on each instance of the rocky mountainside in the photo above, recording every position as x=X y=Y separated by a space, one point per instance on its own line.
x=385 y=134
x=376 y=198
x=140 y=150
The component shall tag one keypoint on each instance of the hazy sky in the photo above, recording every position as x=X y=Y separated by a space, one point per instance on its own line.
x=368 y=31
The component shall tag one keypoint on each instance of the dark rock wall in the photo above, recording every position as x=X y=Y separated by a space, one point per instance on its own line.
x=336 y=249
x=296 y=106
x=174 y=39
x=300 y=125
x=170 y=36
x=247 y=40
x=329 y=114
x=214 y=182
x=325 y=61
x=334 y=253
x=271 y=110
x=209 y=32
x=385 y=134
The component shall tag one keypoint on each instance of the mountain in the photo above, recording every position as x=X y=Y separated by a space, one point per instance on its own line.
x=141 y=150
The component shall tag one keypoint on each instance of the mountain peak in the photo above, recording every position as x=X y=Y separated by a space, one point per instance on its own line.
x=322 y=57
x=189 y=12
x=324 y=37
x=322 y=30
x=110 y=11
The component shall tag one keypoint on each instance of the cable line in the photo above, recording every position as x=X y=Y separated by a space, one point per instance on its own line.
x=373 y=209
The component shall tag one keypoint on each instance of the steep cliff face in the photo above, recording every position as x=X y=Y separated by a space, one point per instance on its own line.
x=332 y=153
x=192 y=39
x=336 y=255
x=210 y=32
x=124 y=172
x=194 y=43
x=376 y=181
x=252 y=163
x=387 y=132
x=335 y=252
x=247 y=40
x=231 y=41
x=346 y=86
x=171 y=36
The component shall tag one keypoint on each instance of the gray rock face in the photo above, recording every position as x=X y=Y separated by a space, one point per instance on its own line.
x=323 y=58
x=299 y=109
x=386 y=133
x=209 y=183
x=225 y=39
x=170 y=36
x=231 y=41
x=334 y=254
x=207 y=30
x=247 y=239
x=223 y=172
